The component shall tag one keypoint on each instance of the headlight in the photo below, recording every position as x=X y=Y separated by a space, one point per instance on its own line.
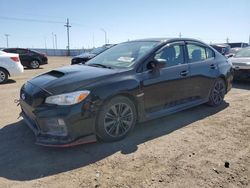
x=67 y=98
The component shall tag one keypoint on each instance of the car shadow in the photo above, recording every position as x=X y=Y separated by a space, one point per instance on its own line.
x=241 y=85
x=27 y=68
x=9 y=81
x=21 y=159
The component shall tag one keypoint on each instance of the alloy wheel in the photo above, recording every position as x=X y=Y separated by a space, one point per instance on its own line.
x=34 y=64
x=2 y=76
x=118 y=119
x=218 y=92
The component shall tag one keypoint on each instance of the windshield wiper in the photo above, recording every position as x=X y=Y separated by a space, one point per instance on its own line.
x=99 y=65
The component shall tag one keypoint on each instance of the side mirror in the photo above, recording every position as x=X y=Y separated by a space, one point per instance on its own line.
x=157 y=64
x=230 y=55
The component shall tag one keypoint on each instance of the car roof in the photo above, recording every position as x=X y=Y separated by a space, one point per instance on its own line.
x=165 y=40
x=16 y=48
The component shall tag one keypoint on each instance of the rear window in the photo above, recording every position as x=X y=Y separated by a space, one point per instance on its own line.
x=196 y=53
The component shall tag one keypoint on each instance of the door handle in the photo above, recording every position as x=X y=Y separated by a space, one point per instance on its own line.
x=212 y=66
x=184 y=73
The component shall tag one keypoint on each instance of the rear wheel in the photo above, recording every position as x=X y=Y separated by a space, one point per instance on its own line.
x=217 y=93
x=3 y=76
x=34 y=64
x=116 y=119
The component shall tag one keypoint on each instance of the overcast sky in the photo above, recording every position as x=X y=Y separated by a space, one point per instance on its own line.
x=31 y=23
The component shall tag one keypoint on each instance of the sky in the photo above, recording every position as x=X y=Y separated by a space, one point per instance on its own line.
x=36 y=24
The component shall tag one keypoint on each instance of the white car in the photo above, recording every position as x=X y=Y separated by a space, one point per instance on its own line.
x=10 y=65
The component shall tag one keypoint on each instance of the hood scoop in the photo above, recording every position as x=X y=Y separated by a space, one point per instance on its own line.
x=56 y=74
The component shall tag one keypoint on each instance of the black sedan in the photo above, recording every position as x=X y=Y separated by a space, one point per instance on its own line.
x=84 y=57
x=29 y=58
x=131 y=82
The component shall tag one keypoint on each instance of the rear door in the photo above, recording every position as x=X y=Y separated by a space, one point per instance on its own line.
x=203 y=68
x=24 y=56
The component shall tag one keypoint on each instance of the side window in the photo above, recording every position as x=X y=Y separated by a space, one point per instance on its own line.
x=196 y=53
x=20 y=51
x=10 y=50
x=173 y=55
x=209 y=53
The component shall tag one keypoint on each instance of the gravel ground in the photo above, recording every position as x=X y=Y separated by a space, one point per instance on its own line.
x=191 y=148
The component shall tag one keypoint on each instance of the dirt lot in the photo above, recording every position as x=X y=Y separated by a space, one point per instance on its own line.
x=187 y=149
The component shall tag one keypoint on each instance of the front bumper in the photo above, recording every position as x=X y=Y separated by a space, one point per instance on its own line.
x=242 y=74
x=44 y=61
x=60 y=126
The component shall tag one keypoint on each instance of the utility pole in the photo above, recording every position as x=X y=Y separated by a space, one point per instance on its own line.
x=180 y=35
x=45 y=45
x=7 y=39
x=56 y=41
x=227 y=39
x=52 y=34
x=249 y=40
x=53 y=44
x=68 y=26
x=105 y=33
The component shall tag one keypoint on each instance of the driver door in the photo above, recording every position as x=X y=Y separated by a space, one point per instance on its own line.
x=170 y=84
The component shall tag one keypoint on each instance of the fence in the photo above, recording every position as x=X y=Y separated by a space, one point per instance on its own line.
x=61 y=52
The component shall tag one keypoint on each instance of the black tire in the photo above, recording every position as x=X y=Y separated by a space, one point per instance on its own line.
x=34 y=64
x=116 y=119
x=3 y=76
x=217 y=93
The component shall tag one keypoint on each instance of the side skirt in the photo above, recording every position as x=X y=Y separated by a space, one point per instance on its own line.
x=174 y=109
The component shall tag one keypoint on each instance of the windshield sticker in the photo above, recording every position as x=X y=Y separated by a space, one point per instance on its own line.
x=126 y=59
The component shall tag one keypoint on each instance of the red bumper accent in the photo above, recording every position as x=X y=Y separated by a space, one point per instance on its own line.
x=80 y=141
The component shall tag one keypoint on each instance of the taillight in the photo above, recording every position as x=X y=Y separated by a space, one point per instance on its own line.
x=16 y=59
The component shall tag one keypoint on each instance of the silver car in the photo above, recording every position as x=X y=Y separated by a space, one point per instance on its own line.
x=241 y=64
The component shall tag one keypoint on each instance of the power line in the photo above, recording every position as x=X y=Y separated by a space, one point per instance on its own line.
x=30 y=20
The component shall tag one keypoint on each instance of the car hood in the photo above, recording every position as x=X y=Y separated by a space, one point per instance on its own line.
x=86 y=55
x=70 y=78
x=242 y=60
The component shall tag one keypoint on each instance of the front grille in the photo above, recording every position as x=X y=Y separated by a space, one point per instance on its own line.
x=30 y=122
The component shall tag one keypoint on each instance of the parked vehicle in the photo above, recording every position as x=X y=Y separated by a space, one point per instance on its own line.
x=238 y=44
x=10 y=65
x=224 y=49
x=29 y=58
x=241 y=64
x=131 y=82
x=233 y=51
x=84 y=57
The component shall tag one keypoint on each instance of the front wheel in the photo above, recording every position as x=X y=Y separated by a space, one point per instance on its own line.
x=116 y=119
x=217 y=93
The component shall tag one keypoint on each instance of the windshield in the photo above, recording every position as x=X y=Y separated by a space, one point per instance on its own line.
x=98 y=50
x=243 y=53
x=123 y=55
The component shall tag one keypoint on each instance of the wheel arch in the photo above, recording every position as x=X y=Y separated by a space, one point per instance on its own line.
x=224 y=79
x=37 y=59
x=122 y=94
x=5 y=70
